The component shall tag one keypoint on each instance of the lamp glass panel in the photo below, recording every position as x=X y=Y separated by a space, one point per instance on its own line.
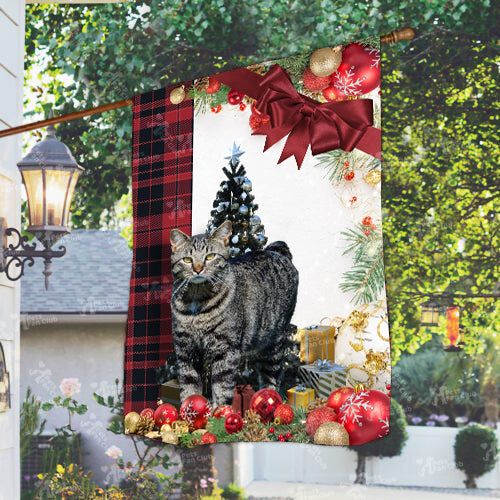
x=71 y=192
x=55 y=194
x=34 y=190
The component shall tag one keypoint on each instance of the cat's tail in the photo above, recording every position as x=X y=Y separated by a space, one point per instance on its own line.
x=280 y=247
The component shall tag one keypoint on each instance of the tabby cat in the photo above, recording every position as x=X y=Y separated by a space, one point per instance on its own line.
x=223 y=309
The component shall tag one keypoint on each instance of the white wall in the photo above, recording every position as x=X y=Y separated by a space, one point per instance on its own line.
x=11 y=88
x=427 y=460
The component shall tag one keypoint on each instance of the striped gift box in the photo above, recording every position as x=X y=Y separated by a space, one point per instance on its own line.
x=323 y=377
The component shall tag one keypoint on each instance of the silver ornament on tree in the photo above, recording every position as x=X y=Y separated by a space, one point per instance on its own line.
x=235 y=239
x=247 y=185
x=243 y=210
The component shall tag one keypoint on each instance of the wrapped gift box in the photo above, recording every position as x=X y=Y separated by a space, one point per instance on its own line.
x=241 y=399
x=317 y=342
x=170 y=392
x=323 y=376
x=300 y=396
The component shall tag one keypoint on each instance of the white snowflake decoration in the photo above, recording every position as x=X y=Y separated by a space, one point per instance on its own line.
x=384 y=429
x=375 y=53
x=189 y=414
x=352 y=407
x=346 y=82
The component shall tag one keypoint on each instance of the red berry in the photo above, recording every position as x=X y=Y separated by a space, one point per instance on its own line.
x=346 y=163
x=216 y=109
x=367 y=221
x=389 y=393
x=367 y=232
x=349 y=176
x=288 y=435
x=271 y=429
x=354 y=198
x=373 y=226
x=388 y=387
x=243 y=106
x=281 y=436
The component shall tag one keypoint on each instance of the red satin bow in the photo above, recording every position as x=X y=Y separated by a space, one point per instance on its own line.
x=324 y=126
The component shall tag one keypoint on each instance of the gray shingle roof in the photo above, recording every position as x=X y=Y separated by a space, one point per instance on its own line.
x=93 y=277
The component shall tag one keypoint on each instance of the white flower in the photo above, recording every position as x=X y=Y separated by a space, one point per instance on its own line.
x=114 y=452
x=70 y=386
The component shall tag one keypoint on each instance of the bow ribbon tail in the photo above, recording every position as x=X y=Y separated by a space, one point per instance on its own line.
x=297 y=142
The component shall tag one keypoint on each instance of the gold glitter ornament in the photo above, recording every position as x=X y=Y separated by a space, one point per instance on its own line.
x=170 y=437
x=332 y=434
x=325 y=61
x=131 y=420
x=373 y=177
x=165 y=428
x=375 y=362
x=180 y=427
x=358 y=320
x=177 y=95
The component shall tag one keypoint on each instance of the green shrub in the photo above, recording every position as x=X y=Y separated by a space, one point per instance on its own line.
x=476 y=452
x=233 y=492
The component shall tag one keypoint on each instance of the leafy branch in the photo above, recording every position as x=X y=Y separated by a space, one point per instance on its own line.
x=366 y=278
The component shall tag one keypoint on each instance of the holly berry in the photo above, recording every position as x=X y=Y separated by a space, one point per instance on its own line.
x=213 y=86
x=367 y=221
x=373 y=226
x=354 y=198
x=288 y=435
x=346 y=163
x=388 y=387
x=389 y=393
x=280 y=437
x=271 y=430
x=243 y=106
x=216 y=109
x=367 y=232
x=349 y=176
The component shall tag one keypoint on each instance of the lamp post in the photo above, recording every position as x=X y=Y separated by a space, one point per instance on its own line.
x=50 y=173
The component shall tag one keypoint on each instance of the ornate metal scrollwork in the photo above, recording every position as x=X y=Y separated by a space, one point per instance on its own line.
x=22 y=253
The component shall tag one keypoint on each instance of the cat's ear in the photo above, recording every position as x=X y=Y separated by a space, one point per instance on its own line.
x=223 y=232
x=178 y=238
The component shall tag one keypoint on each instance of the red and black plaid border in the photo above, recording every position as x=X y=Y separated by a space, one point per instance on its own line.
x=162 y=171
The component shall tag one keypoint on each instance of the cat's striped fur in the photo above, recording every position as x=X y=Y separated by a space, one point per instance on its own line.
x=223 y=309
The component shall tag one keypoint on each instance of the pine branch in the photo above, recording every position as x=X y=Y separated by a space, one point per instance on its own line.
x=371 y=41
x=295 y=65
x=204 y=102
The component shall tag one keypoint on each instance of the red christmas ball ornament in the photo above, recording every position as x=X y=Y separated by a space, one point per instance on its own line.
x=332 y=93
x=165 y=414
x=243 y=106
x=359 y=72
x=222 y=411
x=264 y=403
x=317 y=417
x=285 y=413
x=388 y=387
x=148 y=413
x=234 y=97
x=257 y=121
x=365 y=416
x=213 y=86
x=195 y=410
x=338 y=397
x=208 y=438
x=233 y=423
x=216 y=109
x=367 y=221
x=313 y=82
x=349 y=176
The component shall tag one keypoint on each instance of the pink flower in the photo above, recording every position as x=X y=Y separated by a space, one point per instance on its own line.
x=70 y=387
x=114 y=452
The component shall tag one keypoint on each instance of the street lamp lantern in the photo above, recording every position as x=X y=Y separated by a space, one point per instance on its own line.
x=429 y=313
x=50 y=173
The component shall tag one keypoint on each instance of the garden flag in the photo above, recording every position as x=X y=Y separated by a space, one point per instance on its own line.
x=257 y=296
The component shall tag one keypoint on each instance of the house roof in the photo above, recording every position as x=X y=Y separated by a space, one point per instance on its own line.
x=92 y=278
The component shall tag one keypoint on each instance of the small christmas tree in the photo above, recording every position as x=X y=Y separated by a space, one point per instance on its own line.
x=234 y=202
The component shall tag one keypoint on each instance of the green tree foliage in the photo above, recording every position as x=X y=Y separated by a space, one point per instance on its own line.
x=476 y=452
x=438 y=107
x=440 y=184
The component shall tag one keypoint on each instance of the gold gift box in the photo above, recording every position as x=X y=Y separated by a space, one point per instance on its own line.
x=300 y=396
x=170 y=392
x=317 y=342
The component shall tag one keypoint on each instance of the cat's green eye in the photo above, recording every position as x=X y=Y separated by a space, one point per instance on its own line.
x=187 y=259
x=210 y=256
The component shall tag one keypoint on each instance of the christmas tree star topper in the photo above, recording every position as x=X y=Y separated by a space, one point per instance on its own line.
x=234 y=154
